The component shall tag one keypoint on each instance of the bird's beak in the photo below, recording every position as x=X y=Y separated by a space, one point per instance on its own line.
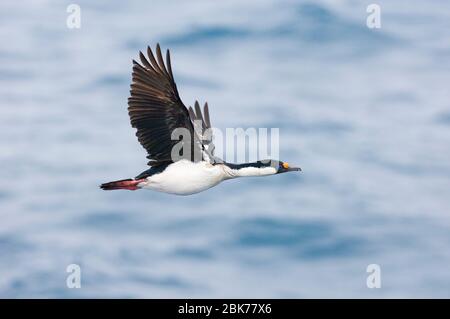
x=284 y=168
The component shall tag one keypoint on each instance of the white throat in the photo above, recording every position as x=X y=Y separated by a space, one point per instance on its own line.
x=248 y=171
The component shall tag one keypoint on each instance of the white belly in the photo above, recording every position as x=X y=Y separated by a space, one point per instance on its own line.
x=185 y=178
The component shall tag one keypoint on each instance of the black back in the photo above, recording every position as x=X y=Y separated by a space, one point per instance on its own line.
x=152 y=171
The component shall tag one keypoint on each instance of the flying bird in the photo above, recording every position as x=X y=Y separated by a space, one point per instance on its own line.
x=156 y=111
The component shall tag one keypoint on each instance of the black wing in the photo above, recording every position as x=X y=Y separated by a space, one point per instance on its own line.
x=155 y=109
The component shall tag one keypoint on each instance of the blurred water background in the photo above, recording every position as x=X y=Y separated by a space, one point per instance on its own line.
x=365 y=113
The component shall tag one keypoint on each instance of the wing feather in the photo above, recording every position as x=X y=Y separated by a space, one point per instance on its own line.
x=155 y=108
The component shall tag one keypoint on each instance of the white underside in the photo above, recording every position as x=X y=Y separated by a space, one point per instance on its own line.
x=185 y=178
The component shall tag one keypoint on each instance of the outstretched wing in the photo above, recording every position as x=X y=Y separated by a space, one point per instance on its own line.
x=156 y=110
x=203 y=129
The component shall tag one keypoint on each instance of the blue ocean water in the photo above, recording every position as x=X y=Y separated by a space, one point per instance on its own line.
x=365 y=113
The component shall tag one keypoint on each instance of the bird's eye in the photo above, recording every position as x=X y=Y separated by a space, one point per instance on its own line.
x=285 y=165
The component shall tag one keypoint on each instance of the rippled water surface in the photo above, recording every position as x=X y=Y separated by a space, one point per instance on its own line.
x=365 y=113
